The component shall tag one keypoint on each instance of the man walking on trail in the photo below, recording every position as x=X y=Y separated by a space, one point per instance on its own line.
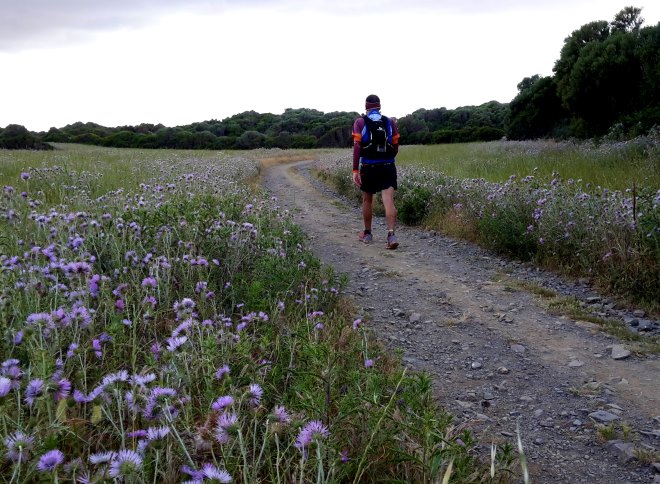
x=375 y=146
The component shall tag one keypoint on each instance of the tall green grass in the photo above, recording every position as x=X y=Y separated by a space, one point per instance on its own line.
x=612 y=165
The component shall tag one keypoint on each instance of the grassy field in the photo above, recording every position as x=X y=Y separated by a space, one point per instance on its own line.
x=162 y=321
x=612 y=165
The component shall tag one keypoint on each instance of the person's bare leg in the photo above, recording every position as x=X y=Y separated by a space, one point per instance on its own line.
x=367 y=209
x=390 y=209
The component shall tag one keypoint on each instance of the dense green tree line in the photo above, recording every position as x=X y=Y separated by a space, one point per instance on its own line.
x=295 y=128
x=17 y=137
x=606 y=82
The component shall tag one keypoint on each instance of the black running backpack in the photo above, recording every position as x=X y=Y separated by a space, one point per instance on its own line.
x=377 y=141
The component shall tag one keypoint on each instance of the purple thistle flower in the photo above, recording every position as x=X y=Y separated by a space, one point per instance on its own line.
x=25 y=176
x=368 y=363
x=94 y=285
x=344 y=456
x=158 y=402
x=227 y=425
x=186 y=305
x=149 y=282
x=19 y=445
x=79 y=397
x=102 y=457
x=125 y=464
x=281 y=415
x=5 y=386
x=155 y=350
x=151 y=300
x=196 y=476
x=157 y=433
x=36 y=318
x=176 y=342
x=96 y=345
x=81 y=315
x=311 y=431
x=121 y=375
x=72 y=349
x=182 y=327
x=137 y=434
x=34 y=389
x=142 y=380
x=222 y=403
x=213 y=473
x=62 y=389
x=18 y=338
x=120 y=305
x=50 y=460
x=357 y=323
x=256 y=392
x=224 y=370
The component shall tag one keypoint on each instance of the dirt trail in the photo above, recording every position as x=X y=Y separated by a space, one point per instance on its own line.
x=498 y=358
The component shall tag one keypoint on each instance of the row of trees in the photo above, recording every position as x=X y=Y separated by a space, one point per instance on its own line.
x=295 y=128
x=606 y=80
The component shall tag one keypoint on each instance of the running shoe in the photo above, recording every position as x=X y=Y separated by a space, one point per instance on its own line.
x=366 y=238
x=392 y=243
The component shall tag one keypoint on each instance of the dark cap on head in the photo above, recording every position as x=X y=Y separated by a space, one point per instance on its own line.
x=372 y=102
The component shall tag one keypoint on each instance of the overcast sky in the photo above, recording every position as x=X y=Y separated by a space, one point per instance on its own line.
x=126 y=62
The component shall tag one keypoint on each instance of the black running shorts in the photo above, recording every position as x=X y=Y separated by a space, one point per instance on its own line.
x=377 y=177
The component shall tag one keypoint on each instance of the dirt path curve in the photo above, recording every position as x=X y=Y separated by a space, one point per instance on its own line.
x=498 y=359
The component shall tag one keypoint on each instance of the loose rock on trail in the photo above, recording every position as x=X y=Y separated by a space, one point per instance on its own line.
x=499 y=361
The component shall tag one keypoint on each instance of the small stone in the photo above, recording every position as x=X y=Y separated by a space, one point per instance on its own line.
x=506 y=434
x=526 y=399
x=398 y=312
x=488 y=396
x=593 y=300
x=631 y=321
x=539 y=441
x=464 y=405
x=575 y=363
x=656 y=467
x=638 y=313
x=646 y=325
x=503 y=370
x=476 y=365
x=603 y=416
x=624 y=450
x=577 y=422
x=415 y=317
x=619 y=352
x=519 y=349
x=538 y=412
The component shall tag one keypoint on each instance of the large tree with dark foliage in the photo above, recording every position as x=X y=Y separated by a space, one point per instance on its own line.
x=607 y=74
x=536 y=112
x=17 y=137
